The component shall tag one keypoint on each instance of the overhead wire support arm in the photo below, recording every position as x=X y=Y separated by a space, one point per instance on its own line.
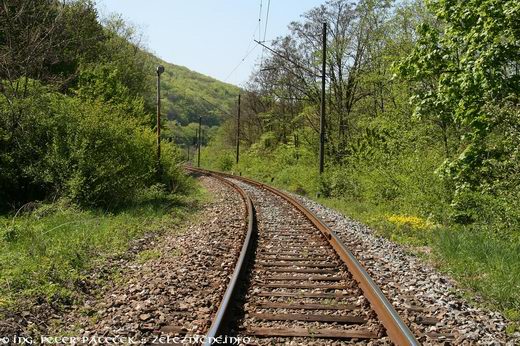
x=288 y=59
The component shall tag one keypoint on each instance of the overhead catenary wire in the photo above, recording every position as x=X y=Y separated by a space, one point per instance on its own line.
x=240 y=63
x=260 y=33
x=249 y=50
x=258 y=28
x=281 y=55
x=260 y=22
x=265 y=33
x=266 y=19
x=216 y=106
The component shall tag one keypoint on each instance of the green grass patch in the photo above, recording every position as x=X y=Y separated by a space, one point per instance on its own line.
x=47 y=252
x=484 y=262
x=404 y=229
x=148 y=255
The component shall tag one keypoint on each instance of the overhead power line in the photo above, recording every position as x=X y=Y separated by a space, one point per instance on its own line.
x=258 y=29
x=288 y=59
x=266 y=19
x=215 y=105
x=240 y=63
x=265 y=33
x=260 y=21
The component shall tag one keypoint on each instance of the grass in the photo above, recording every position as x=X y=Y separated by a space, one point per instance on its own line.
x=46 y=253
x=481 y=261
x=484 y=262
x=148 y=255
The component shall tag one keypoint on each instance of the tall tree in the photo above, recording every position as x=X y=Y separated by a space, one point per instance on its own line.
x=473 y=61
x=45 y=40
x=290 y=74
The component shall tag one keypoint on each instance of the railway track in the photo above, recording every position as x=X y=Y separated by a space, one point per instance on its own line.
x=295 y=279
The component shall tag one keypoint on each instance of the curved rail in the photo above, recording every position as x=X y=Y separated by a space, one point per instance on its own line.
x=222 y=316
x=397 y=330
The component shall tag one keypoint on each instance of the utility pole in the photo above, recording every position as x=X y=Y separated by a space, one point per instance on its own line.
x=238 y=128
x=198 y=142
x=322 y=107
x=160 y=69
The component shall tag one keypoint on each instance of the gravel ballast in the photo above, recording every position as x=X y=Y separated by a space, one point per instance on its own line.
x=277 y=219
x=416 y=289
x=177 y=285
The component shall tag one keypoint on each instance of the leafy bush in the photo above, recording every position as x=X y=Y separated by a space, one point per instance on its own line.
x=473 y=88
x=89 y=151
x=173 y=178
x=284 y=166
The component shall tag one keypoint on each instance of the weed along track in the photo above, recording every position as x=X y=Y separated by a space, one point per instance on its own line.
x=295 y=281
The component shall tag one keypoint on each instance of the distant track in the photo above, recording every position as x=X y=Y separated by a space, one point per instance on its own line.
x=301 y=278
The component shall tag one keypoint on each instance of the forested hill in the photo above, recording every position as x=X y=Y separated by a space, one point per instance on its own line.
x=188 y=94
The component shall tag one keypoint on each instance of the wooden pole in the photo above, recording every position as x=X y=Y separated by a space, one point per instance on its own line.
x=238 y=129
x=322 y=107
x=160 y=69
x=199 y=141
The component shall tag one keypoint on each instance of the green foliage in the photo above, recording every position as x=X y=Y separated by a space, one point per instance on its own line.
x=103 y=83
x=484 y=261
x=47 y=250
x=90 y=151
x=220 y=154
x=77 y=99
x=472 y=63
x=106 y=161
x=190 y=94
x=47 y=40
x=173 y=178
x=283 y=166
x=74 y=116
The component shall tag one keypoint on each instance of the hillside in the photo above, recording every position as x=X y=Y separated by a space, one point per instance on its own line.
x=189 y=94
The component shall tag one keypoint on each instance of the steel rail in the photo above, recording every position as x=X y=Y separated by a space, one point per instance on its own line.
x=396 y=329
x=222 y=316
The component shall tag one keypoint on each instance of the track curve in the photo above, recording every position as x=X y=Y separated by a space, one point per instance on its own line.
x=395 y=328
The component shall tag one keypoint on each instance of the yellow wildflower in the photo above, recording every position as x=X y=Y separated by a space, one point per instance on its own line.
x=414 y=222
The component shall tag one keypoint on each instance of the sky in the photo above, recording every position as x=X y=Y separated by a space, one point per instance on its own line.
x=209 y=36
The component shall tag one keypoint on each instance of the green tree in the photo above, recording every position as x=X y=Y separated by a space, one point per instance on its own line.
x=472 y=58
x=75 y=94
x=45 y=40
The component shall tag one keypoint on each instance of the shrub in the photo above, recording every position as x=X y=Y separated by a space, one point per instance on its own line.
x=92 y=152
